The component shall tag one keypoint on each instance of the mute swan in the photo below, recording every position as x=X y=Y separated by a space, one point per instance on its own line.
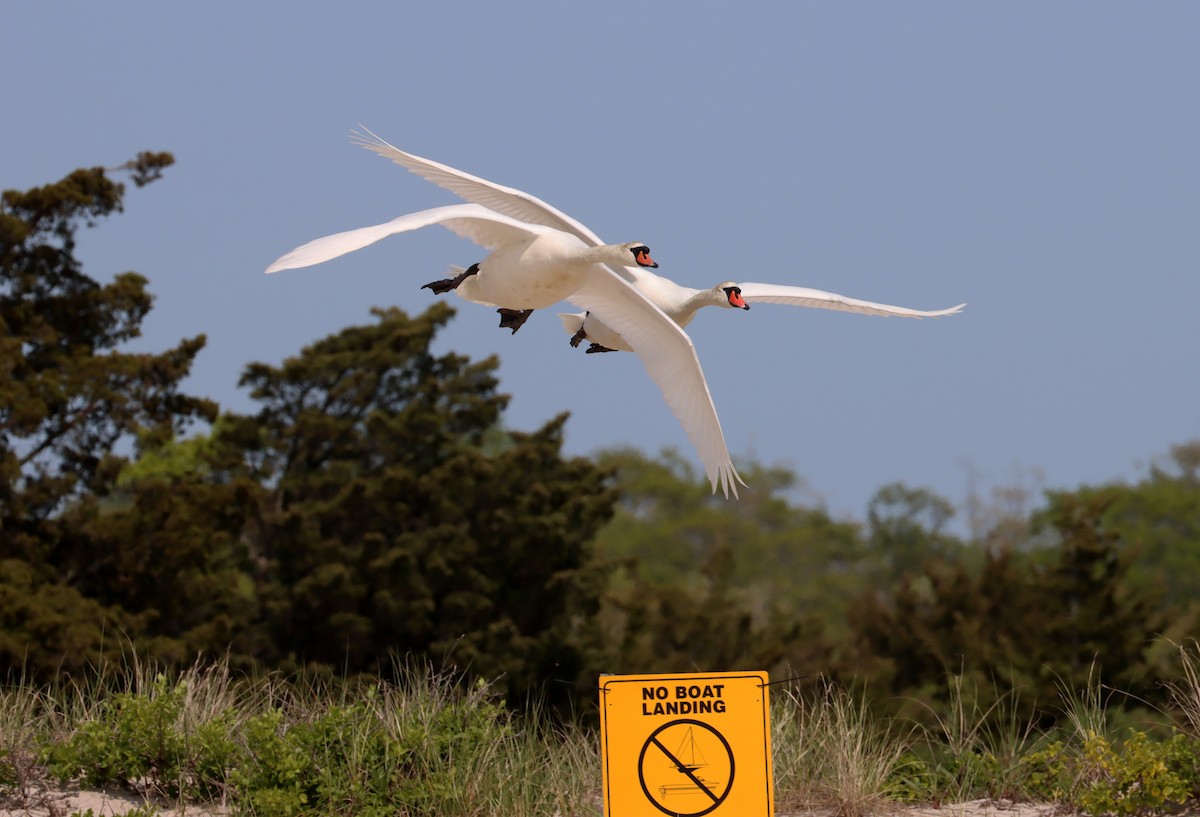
x=681 y=304
x=530 y=266
x=678 y=302
x=570 y=263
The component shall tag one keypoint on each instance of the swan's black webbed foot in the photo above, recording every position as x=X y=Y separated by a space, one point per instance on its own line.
x=596 y=348
x=513 y=319
x=578 y=338
x=446 y=284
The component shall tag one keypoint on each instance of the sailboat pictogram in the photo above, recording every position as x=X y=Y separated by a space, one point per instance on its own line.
x=689 y=758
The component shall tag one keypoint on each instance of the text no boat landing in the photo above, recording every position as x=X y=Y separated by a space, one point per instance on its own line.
x=686 y=745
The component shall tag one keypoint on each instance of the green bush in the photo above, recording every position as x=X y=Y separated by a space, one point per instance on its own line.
x=1048 y=773
x=1142 y=778
x=132 y=738
x=339 y=761
x=140 y=740
x=1135 y=777
x=430 y=747
x=372 y=756
x=274 y=778
x=941 y=775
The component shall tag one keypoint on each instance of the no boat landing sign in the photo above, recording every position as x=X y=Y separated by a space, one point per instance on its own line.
x=686 y=745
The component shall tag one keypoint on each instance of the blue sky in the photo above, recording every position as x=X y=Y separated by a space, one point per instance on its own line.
x=1036 y=160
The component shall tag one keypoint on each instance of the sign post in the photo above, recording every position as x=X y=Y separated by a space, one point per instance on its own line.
x=686 y=745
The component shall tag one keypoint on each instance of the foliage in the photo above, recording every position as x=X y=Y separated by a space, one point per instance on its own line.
x=143 y=739
x=1023 y=623
x=1138 y=780
x=1102 y=776
x=428 y=745
x=1159 y=517
x=385 y=523
x=973 y=748
x=776 y=548
x=699 y=582
x=352 y=759
x=833 y=752
x=372 y=505
x=434 y=744
x=1095 y=612
x=70 y=399
x=705 y=622
x=907 y=527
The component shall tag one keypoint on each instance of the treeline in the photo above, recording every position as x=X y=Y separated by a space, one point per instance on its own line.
x=374 y=507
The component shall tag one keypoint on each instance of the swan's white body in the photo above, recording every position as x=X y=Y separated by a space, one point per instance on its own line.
x=530 y=267
x=540 y=256
x=682 y=303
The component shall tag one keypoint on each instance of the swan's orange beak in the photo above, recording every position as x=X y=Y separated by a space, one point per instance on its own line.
x=736 y=299
x=644 y=259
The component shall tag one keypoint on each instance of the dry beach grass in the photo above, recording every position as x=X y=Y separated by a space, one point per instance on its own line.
x=205 y=743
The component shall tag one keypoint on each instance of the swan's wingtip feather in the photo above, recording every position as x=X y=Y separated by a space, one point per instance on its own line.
x=942 y=313
x=736 y=479
x=282 y=263
x=366 y=137
x=728 y=477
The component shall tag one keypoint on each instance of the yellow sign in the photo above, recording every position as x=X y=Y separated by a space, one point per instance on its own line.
x=686 y=745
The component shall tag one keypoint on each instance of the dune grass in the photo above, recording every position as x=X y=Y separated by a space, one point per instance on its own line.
x=831 y=754
x=431 y=744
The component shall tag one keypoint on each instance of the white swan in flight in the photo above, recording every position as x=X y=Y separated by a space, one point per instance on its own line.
x=682 y=303
x=679 y=302
x=530 y=266
x=539 y=257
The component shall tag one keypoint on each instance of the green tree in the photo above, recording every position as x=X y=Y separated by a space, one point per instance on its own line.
x=174 y=548
x=48 y=627
x=395 y=517
x=702 y=582
x=702 y=621
x=1023 y=621
x=1159 y=516
x=1097 y=614
x=906 y=527
x=71 y=400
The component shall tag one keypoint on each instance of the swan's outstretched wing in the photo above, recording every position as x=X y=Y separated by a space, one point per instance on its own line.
x=485 y=227
x=802 y=296
x=670 y=359
x=507 y=200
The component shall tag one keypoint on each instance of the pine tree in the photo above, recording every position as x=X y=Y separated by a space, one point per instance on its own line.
x=1093 y=614
x=1029 y=623
x=70 y=401
x=399 y=519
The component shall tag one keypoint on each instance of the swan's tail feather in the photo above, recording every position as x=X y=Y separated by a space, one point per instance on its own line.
x=572 y=321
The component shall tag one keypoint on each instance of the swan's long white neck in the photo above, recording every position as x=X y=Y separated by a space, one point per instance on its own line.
x=607 y=254
x=695 y=301
x=680 y=302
